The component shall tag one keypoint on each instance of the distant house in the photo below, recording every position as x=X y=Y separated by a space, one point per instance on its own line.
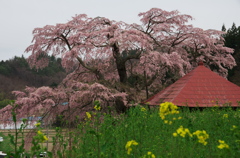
x=199 y=88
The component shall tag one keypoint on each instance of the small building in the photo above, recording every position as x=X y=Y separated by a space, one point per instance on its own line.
x=199 y=88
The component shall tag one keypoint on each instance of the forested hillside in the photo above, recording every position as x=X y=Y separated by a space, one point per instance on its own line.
x=15 y=74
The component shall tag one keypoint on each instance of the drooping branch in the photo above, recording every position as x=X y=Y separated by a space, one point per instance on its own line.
x=94 y=70
x=66 y=41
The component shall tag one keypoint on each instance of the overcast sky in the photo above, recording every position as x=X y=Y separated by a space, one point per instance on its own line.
x=18 y=18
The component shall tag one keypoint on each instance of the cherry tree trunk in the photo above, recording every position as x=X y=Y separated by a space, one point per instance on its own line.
x=122 y=71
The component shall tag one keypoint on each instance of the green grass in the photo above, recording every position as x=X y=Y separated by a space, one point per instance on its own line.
x=105 y=135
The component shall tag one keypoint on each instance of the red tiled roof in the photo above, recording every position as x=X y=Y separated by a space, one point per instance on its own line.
x=199 y=88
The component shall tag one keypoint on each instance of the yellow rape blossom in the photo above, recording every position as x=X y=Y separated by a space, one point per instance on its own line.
x=182 y=132
x=143 y=109
x=97 y=107
x=222 y=144
x=225 y=116
x=39 y=133
x=168 y=122
x=167 y=108
x=149 y=155
x=88 y=115
x=233 y=127
x=175 y=134
x=129 y=145
x=38 y=124
x=202 y=136
x=41 y=137
x=45 y=138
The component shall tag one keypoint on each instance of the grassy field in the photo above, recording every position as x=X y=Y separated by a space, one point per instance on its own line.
x=181 y=133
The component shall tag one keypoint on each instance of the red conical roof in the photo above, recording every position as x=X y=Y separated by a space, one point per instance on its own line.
x=199 y=88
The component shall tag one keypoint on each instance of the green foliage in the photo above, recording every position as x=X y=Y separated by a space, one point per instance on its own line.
x=5 y=146
x=232 y=40
x=2 y=96
x=18 y=151
x=5 y=69
x=155 y=135
x=5 y=102
x=223 y=28
x=211 y=132
x=15 y=74
x=232 y=37
x=10 y=67
x=53 y=67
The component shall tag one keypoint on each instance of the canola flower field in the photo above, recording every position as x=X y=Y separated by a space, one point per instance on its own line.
x=166 y=131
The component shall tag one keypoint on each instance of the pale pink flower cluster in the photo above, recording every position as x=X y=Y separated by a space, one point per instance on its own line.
x=97 y=47
x=71 y=99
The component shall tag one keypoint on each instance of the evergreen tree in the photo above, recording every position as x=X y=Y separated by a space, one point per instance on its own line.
x=232 y=37
x=224 y=28
x=232 y=40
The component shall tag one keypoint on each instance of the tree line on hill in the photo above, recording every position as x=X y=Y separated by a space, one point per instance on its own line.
x=15 y=74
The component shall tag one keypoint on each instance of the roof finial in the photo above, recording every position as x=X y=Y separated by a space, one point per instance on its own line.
x=200 y=63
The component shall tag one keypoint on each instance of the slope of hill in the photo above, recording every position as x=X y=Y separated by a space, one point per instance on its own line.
x=15 y=74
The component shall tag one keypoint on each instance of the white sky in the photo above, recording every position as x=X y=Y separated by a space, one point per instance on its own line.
x=18 y=18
